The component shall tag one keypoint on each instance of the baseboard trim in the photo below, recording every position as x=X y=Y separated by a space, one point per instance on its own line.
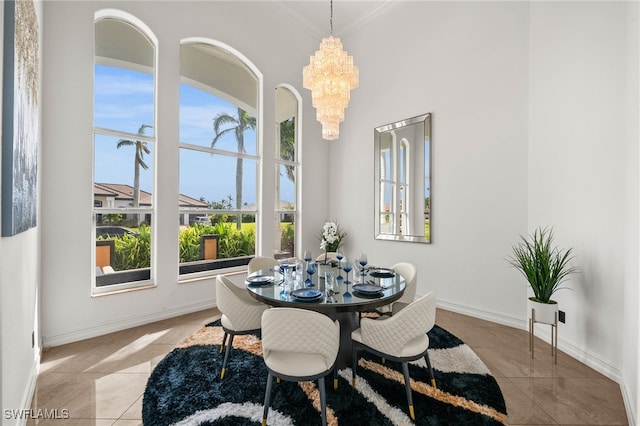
x=600 y=365
x=593 y=361
x=628 y=403
x=95 y=331
x=482 y=314
x=29 y=390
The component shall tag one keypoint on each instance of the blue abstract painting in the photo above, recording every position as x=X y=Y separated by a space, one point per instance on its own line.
x=20 y=117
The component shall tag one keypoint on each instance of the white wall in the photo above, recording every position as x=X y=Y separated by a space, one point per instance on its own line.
x=19 y=304
x=535 y=123
x=466 y=63
x=583 y=172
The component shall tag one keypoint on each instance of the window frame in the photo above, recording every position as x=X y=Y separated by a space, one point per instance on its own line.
x=140 y=277
x=296 y=163
x=210 y=268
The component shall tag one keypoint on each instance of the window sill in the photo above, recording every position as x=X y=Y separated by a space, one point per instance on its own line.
x=122 y=288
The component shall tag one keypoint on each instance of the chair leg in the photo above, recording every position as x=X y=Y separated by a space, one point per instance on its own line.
x=354 y=366
x=433 y=378
x=323 y=401
x=267 y=398
x=224 y=342
x=335 y=378
x=407 y=386
x=226 y=356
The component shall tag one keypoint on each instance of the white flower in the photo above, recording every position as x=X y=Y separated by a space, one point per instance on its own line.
x=331 y=236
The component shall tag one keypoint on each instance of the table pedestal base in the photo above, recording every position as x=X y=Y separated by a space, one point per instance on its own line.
x=348 y=323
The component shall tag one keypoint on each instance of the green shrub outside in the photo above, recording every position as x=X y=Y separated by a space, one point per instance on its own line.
x=134 y=252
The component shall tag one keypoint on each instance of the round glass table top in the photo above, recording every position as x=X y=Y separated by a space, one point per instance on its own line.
x=376 y=287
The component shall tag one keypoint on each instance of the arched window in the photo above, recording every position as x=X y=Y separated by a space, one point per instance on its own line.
x=287 y=163
x=124 y=151
x=219 y=179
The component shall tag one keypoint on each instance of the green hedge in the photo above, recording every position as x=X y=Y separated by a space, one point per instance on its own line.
x=134 y=252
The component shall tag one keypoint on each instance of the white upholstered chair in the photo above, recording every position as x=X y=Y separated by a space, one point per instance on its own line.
x=261 y=262
x=299 y=345
x=241 y=313
x=410 y=274
x=400 y=338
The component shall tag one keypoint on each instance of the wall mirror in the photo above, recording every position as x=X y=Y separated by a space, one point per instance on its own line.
x=402 y=167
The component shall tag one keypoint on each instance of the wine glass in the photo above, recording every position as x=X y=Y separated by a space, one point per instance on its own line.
x=307 y=256
x=339 y=256
x=311 y=269
x=347 y=266
x=363 y=261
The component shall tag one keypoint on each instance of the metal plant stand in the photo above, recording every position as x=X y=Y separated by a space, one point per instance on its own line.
x=554 y=334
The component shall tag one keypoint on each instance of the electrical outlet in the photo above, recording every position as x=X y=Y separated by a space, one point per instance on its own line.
x=561 y=316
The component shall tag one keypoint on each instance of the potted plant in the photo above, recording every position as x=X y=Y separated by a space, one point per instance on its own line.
x=545 y=267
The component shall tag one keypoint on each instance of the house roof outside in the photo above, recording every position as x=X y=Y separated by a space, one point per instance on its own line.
x=125 y=192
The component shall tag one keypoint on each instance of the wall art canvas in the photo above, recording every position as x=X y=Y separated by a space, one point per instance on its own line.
x=20 y=117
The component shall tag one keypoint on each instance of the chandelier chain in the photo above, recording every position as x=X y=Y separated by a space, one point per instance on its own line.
x=331 y=19
x=330 y=76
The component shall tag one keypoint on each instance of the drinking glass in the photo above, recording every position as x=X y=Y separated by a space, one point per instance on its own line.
x=329 y=282
x=347 y=266
x=289 y=282
x=311 y=269
x=298 y=274
x=286 y=272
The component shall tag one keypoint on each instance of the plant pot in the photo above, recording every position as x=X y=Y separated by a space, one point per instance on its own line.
x=544 y=312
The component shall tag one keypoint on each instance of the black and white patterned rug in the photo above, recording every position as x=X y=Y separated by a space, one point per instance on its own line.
x=185 y=388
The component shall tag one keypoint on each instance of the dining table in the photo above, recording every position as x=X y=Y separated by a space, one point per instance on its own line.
x=364 y=291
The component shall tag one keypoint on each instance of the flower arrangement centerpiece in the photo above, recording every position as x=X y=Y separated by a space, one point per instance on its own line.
x=331 y=238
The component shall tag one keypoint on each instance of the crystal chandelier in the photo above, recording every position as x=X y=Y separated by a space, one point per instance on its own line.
x=330 y=76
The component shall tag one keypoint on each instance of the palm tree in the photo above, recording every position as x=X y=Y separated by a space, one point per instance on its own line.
x=141 y=149
x=288 y=144
x=223 y=124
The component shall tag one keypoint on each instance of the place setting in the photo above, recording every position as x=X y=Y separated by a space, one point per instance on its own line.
x=307 y=295
x=260 y=280
x=368 y=290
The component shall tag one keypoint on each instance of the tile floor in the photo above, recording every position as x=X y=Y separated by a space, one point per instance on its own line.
x=100 y=381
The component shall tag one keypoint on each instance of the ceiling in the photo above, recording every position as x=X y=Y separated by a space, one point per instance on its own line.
x=315 y=15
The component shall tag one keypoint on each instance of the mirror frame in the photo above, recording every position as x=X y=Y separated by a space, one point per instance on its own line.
x=423 y=120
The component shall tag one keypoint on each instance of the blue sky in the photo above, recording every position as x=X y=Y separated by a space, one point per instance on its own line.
x=124 y=101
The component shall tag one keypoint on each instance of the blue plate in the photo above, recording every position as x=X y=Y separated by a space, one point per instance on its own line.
x=368 y=288
x=382 y=273
x=260 y=280
x=306 y=294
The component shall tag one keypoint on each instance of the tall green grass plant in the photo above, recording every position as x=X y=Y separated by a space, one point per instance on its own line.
x=544 y=266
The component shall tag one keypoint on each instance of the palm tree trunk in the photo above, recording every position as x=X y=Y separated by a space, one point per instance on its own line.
x=239 y=172
x=136 y=189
